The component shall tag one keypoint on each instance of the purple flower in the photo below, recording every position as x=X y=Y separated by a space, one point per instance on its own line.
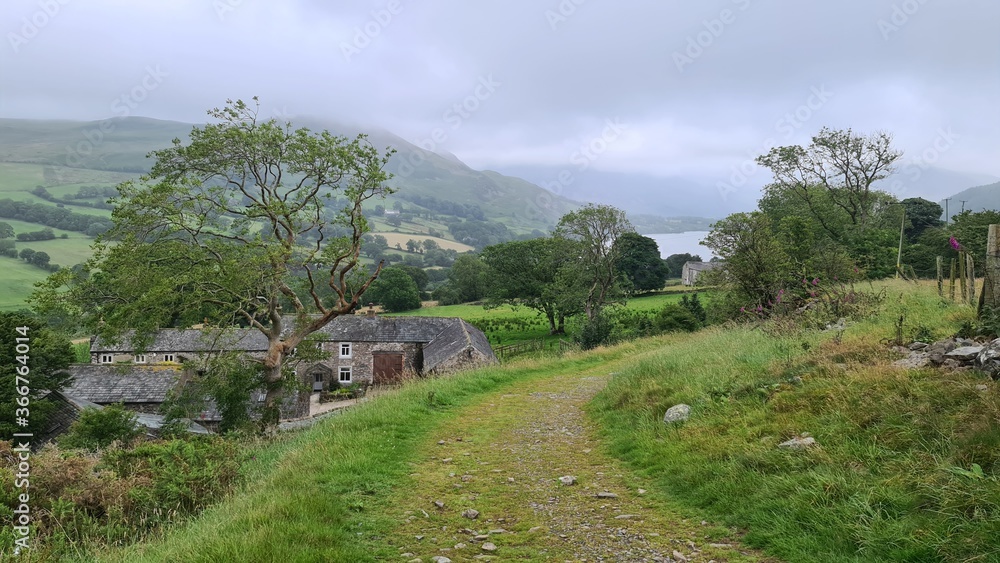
x=812 y=294
x=759 y=308
x=743 y=309
x=815 y=281
x=954 y=243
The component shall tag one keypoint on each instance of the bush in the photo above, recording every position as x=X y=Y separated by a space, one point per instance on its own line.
x=675 y=318
x=96 y=429
x=595 y=332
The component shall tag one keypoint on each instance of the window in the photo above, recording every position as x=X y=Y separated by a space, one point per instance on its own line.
x=107 y=358
x=168 y=358
x=345 y=349
x=345 y=374
x=140 y=358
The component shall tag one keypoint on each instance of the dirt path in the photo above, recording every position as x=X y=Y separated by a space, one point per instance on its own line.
x=503 y=458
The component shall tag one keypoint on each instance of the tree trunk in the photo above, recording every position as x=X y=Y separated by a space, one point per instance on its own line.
x=273 y=387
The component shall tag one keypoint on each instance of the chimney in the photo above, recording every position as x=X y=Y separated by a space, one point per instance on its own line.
x=370 y=313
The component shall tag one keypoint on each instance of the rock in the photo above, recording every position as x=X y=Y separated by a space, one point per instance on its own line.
x=965 y=342
x=799 y=443
x=510 y=479
x=841 y=324
x=471 y=514
x=440 y=559
x=446 y=460
x=419 y=537
x=481 y=537
x=950 y=363
x=680 y=556
x=626 y=516
x=720 y=545
x=459 y=546
x=417 y=560
x=642 y=491
x=498 y=531
x=567 y=480
x=606 y=495
x=915 y=360
x=489 y=546
x=406 y=555
x=988 y=359
x=534 y=529
x=965 y=353
x=982 y=387
x=941 y=347
x=439 y=504
x=677 y=413
x=440 y=442
x=918 y=346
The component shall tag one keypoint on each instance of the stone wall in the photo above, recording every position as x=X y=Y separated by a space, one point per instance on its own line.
x=469 y=358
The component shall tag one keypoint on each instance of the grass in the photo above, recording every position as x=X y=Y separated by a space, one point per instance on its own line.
x=886 y=483
x=16 y=282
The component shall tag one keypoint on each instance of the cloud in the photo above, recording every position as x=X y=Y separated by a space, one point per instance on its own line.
x=910 y=67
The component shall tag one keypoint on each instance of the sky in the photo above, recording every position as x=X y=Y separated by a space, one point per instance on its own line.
x=657 y=89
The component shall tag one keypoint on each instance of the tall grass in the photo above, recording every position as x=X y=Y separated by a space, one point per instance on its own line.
x=892 y=478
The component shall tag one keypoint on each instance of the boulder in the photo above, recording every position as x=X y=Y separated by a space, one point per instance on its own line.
x=964 y=354
x=567 y=480
x=677 y=413
x=799 y=443
x=914 y=360
x=988 y=359
x=918 y=345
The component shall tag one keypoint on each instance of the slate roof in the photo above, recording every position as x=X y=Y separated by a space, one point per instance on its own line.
x=103 y=384
x=360 y=328
x=189 y=340
x=455 y=338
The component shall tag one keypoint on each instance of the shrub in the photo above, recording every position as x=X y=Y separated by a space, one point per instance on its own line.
x=674 y=318
x=97 y=429
x=595 y=332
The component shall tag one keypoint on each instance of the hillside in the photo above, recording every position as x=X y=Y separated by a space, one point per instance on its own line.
x=978 y=198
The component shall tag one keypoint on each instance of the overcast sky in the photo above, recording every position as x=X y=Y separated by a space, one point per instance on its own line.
x=661 y=88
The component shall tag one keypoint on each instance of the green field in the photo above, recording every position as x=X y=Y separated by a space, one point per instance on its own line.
x=16 y=282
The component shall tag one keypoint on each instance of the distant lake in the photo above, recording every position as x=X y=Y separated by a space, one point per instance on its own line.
x=679 y=243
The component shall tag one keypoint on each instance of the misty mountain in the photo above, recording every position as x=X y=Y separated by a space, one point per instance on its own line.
x=979 y=198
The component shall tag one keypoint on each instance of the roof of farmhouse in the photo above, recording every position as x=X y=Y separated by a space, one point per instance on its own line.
x=347 y=328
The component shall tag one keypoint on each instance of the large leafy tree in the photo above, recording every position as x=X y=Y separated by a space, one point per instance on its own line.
x=833 y=177
x=32 y=359
x=225 y=228
x=757 y=266
x=596 y=228
x=525 y=273
x=395 y=291
x=675 y=263
x=640 y=262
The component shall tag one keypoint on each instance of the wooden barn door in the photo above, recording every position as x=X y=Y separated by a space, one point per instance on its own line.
x=387 y=368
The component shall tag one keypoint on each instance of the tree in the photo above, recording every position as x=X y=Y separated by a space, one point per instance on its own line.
x=429 y=244
x=187 y=240
x=39 y=356
x=374 y=245
x=418 y=275
x=468 y=278
x=97 y=429
x=525 y=273
x=413 y=246
x=922 y=215
x=26 y=254
x=395 y=221
x=6 y=231
x=757 y=266
x=639 y=260
x=395 y=291
x=675 y=263
x=834 y=174
x=596 y=228
x=40 y=259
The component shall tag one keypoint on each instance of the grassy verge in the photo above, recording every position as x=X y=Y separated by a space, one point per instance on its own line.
x=892 y=478
x=329 y=492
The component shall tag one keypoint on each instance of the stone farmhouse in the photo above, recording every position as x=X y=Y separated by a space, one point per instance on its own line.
x=691 y=270
x=357 y=349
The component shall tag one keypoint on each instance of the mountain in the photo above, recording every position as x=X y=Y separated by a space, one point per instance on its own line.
x=978 y=198
x=121 y=144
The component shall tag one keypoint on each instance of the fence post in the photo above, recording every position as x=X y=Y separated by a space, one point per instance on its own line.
x=970 y=272
x=940 y=276
x=962 y=282
x=991 y=270
x=951 y=285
